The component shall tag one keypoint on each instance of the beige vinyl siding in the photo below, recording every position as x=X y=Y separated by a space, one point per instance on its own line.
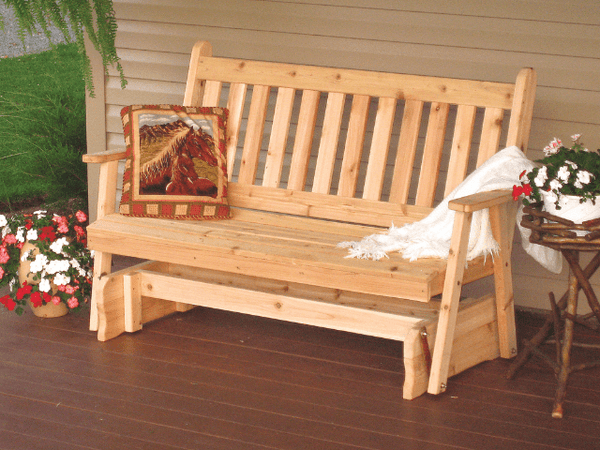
x=461 y=38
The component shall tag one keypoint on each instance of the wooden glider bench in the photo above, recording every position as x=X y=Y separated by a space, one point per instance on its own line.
x=317 y=156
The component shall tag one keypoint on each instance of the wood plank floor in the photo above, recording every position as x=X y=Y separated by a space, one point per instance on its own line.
x=213 y=380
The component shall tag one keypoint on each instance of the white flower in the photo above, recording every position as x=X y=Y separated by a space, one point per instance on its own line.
x=32 y=235
x=3 y=221
x=45 y=285
x=40 y=214
x=583 y=177
x=20 y=235
x=57 y=266
x=58 y=244
x=552 y=147
x=61 y=280
x=38 y=264
x=555 y=185
x=575 y=137
x=541 y=177
x=572 y=164
x=563 y=174
x=25 y=255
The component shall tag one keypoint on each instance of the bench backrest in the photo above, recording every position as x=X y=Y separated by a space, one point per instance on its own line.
x=351 y=145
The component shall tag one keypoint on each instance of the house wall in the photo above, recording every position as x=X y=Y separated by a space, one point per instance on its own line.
x=455 y=38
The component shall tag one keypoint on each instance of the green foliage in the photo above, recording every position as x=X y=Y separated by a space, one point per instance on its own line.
x=96 y=18
x=42 y=126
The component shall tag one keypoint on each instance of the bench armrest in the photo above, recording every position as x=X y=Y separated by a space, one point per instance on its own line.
x=481 y=200
x=102 y=157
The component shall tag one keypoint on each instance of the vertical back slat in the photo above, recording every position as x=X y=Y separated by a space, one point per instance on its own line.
x=212 y=93
x=490 y=134
x=461 y=147
x=521 y=113
x=254 y=134
x=380 y=145
x=355 y=140
x=235 y=104
x=279 y=135
x=194 y=87
x=329 y=141
x=307 y=119
x=407 y=150
x=432 y=154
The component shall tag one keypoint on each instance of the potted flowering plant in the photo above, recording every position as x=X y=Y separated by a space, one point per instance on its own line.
x=563 y=175
x=44 y=261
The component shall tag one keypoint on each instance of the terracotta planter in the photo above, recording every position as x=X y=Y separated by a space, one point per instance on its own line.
x=49 y=309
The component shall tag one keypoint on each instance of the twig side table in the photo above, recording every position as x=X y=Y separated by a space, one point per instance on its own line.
x=570 y=239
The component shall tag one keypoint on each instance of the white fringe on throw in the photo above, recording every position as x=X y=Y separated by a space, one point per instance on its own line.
x=430 y=237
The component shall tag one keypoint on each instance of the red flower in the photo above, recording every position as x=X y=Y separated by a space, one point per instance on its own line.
x=36 y=299
x=28 y=224
x=1 y=273
x=80 y=233
x=81 y=216
x=70 y=289
x=517 y=191
x=10 y=239
x=527 y=190
x=4 y=256
x=47 y=233
x=22 y=291
x=8 y=302
x=73 y=302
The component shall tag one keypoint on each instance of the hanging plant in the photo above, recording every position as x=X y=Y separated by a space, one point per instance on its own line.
x=75 y=19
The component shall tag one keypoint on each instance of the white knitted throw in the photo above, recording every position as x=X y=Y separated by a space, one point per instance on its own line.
x=430 y=237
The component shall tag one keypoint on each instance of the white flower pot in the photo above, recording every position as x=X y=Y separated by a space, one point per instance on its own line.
x=572 y=209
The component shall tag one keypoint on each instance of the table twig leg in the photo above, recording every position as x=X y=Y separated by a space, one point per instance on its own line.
x=556 y=321
x=544 y=331
x=565 y=356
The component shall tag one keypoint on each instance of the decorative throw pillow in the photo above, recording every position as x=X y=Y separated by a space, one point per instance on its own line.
x=176 y=167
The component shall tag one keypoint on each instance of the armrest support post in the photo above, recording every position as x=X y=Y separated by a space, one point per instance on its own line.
x=450 y=298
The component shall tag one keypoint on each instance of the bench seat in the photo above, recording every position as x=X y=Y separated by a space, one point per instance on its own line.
x=275 y=246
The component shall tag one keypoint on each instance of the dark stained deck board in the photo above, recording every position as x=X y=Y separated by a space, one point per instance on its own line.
x=214 y=380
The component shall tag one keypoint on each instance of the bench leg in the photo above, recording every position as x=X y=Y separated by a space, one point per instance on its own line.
x=416 y=373
x=102 y=267
x=132 y=301
x=476 y=323
x=450 y=301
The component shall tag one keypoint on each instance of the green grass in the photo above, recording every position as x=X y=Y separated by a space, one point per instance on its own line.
x=42 y=128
